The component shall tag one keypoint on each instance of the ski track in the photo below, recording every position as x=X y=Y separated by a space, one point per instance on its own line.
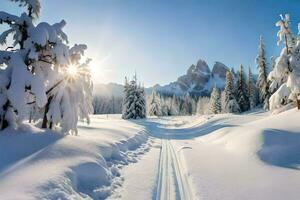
x=173 y=182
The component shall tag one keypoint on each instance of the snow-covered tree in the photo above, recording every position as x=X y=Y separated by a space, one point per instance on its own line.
x=154 y=105
x=174 y=107
x=40 y=70
x=134 y=104
x=285 y=33
x=222 y=99
x=141 y=102
x=103 y=104
x=164 y=107
x=286 y=73
x=215 y=101
x=188 y=105
x=251 y=90
x=262 y=80
x=241 y=96
x=203 y=105
x=230 y=102
x=126 y=92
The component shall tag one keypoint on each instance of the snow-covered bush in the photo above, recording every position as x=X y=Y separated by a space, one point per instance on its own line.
x=41 y=71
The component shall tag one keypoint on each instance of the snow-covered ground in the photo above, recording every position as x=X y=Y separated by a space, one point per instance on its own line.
x=45 y=165
x=249 y=156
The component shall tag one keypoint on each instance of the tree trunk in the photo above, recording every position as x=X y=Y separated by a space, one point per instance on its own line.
x=286 y=44
x=4 y=122
x=45 y=120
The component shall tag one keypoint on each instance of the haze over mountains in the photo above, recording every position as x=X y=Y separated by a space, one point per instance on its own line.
x=198 y=80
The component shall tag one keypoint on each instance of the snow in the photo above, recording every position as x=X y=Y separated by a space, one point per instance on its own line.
x=252 y=160
x=226 y=156
x=47 y=165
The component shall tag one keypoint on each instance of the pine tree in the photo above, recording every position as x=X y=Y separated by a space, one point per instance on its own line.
x=134 y=104
x=140 y=103
x=251 y=90
x=215 y=101
x=174 y=107
x=125 y=107
x=188 y=105
x=203 y=105
x=230 y=102
x=241 y=95
x=155 y=106
x=262 y=82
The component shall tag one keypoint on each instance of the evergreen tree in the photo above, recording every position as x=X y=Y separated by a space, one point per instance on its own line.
x=134 y=104
x=125 y=108
x=140 y=102
x=174 y=107
x=155 y=106
x=215 y=101
x=203 y=105
x=241 y=96
x=230 y=102
x=262 y=82
x=187 y=106
x=251 y=90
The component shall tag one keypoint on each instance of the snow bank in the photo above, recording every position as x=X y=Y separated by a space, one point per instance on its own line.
x=252 y=156
x=36 y=164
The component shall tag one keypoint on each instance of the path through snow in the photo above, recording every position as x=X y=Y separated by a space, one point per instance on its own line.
x=173 y=182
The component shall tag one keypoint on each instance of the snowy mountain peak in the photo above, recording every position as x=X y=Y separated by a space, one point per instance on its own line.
x=202 y=66
x=199 y=80
x=220 y=69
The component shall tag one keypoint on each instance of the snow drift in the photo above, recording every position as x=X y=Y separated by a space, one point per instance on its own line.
x=46 y=165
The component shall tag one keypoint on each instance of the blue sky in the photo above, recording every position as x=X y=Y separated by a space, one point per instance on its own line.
x=161 y=39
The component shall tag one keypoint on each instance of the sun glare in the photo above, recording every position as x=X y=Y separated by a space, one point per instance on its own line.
x=72 y=70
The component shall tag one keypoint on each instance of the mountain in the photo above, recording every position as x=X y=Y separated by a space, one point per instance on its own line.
x=198 y=80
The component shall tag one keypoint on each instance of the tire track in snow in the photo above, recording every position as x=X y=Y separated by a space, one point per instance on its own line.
x=173 y=182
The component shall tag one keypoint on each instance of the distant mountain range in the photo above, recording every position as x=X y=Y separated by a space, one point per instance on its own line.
x=198 y=81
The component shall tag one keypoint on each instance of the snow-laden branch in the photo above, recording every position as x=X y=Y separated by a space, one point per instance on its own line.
x=33 y=6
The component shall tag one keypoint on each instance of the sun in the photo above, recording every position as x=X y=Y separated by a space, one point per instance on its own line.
x=72 y=70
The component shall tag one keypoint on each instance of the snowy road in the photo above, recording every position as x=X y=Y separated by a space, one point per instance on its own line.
x=173 y=182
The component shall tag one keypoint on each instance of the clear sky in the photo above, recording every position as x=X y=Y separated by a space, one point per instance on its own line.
x=161 y=39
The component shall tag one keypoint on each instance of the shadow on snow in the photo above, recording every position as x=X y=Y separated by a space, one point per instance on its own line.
x=155 y=129
x=280 y=148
